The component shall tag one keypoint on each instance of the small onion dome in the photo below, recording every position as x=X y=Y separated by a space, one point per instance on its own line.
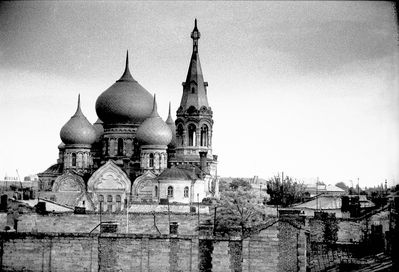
x=172 y=127
x=98 y=126
x=154 y=131
x=78 y=130
x=125 y=102
x=61 y=146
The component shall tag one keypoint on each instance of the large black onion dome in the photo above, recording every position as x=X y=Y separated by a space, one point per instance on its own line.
x=154 y=131
x=78 y=130
x=125 y=102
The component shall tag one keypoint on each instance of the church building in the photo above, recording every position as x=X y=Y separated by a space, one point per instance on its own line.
x=130 y=154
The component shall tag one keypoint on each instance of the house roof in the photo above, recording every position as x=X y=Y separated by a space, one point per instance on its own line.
x=322 y=202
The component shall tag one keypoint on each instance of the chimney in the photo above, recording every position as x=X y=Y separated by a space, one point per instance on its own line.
x=203 y=164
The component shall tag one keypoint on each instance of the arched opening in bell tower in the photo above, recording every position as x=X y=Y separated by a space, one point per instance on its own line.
x=204 y=135
x=192 y=135
x=179 y=135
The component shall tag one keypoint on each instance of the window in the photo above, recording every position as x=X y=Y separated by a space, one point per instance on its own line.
x=192 y=90
x=204 y=135
x=101 y=198
x=118 y=203
x=120 y=147
x=170 y=191
x=156 y=191
x=179 y=134
x=191 y=135
x=73 y=159
x=186 y=191
x=109 y=198
x=151 y=160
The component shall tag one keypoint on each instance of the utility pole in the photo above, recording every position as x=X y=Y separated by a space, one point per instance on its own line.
x=127 y=216
x=198 y=210
x=100 y=211
x=168 y=214
x=358 y=187
x=214 y=222
x=317 y=194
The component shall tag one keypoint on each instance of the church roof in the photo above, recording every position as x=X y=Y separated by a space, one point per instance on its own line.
x=194 y=88
x=154 y=131
x=78 y=130
x=177 y=173
x=125 y=102
x=55 y=169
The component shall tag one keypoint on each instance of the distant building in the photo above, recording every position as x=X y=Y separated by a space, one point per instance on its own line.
x=332 y=204
x=130 y=154
x=324 y=189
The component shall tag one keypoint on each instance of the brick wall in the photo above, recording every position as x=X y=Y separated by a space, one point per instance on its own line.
x=84 y=223
x=147 y=252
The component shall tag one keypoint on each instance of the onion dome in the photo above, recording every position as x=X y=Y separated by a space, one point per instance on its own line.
x=98 y=126
x=125 y=102
x=78 y=130
x=154 y=131
x=172 y=127
x=61 y=146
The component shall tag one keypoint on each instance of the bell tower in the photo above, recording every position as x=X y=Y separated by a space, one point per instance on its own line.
x=194 y=116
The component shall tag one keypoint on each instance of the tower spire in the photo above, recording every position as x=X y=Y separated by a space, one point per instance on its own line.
x=78 y=109
x=169 y=120
x=127 y=76
x=154 y=112
x=194 y=88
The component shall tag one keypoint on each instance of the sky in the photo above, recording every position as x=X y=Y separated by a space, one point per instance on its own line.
x=305 y=88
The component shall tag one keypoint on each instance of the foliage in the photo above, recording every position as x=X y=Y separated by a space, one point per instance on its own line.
x=330 y=229
x=240 y=183
x=238 y=209
x=285 y=192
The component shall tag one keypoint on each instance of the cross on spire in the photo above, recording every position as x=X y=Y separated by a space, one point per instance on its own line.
x=195 y=35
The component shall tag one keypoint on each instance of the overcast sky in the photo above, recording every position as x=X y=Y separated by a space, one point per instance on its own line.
x=308 y=88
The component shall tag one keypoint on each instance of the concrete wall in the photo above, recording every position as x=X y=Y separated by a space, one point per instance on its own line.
x=144 y=252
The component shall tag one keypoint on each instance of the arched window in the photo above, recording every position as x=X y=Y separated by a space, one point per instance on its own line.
x=120 y=147
x=118 y=203
x=192 y=90
x=73 y=159
x=156 y=191
x=101 y=198
x=204 y=135
x=186 y=191
x=191 y=135
x=151 y=160
x=170 y=191
x=109 y=198
x=179 y=134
